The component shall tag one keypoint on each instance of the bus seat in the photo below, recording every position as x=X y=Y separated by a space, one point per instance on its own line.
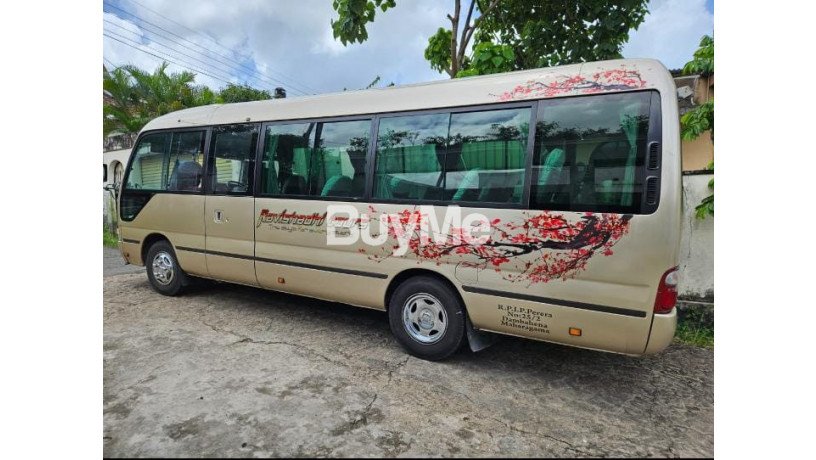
x=546 y=190
x=606 y=158
x=470 y=182
x=358 y=185
x=186 y=177
x=294 y=185
x=337 y=186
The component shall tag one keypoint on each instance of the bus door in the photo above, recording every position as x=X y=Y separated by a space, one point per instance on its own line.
x=229 y=207
x=304 y=168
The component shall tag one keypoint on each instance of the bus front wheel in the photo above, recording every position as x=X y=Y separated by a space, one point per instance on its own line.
x=427 y=318
x=163 y=270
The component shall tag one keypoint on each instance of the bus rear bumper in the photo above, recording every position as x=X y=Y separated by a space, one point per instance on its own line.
x=663 y=327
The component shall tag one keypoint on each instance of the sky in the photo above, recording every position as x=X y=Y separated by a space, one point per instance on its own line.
x=287 y=43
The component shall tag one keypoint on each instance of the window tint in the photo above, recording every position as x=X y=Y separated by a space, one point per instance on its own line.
x=186 y=162
x=589 y=153
x=148 y=171
x=316 y=159
x=166 y=161
x=233 y=153
x=467 y=157
x=486 y=152
x=410 y=152
x=284 y=169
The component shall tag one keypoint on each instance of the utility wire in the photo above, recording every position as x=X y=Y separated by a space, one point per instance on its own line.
x=207 y=65
x=188 y=67
x=220 y=45
x=143 y=27
x=222 y=76
x=250 y=70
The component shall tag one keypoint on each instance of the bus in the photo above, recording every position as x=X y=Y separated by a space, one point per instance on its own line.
x=543 y=204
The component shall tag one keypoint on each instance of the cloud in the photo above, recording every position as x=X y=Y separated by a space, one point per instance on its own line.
x=289 y=42
x=671 y=31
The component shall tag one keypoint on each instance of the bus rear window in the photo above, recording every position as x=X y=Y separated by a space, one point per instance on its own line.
x=589 y=153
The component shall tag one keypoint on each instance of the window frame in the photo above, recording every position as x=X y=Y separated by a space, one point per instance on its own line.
x=126 y=175
x=532 y=105
x=654 y=134
x=210 y=156
x=262 y=148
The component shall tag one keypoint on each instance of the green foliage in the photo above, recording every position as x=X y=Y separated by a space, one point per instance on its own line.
x=242 y=93
x=438 y=52
x=510 y=34
x=706 y=206
x=697 y=121
x=138 y=96
x=546 y=33
x=703 y=62
x=701 y=119
x=109 y=239
x=350 y=27
x=695 y=327
x=489 y=58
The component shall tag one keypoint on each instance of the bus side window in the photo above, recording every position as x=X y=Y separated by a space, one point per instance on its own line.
x=590 y=152
x=231 y=159
x=315 y=159
x=186 y=162
x=486 y=156
x=286 y=150
x=410 y=153
x=147 y=170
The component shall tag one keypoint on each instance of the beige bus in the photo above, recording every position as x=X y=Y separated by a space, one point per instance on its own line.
x=543 y=204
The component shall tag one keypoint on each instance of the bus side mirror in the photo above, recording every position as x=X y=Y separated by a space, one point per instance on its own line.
x=104 y=173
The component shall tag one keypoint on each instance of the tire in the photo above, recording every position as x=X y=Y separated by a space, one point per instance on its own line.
x=163 y=270
x=420 y=306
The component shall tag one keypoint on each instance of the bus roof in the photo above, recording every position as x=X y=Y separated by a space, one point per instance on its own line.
x=576 y=79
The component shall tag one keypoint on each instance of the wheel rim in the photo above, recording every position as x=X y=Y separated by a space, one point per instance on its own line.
x=424 y=318
x=163 y=269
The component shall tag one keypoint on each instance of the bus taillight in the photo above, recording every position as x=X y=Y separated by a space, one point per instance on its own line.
x=667 y=291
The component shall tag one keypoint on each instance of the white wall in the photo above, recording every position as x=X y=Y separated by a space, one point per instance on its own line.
x=109 y=159
x=697 y=244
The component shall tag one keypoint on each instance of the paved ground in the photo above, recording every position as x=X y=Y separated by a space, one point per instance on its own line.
x=114 y=264
x=238 y=372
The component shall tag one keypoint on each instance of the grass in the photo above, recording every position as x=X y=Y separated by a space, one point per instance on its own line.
x=694 y=329
x=109 y=239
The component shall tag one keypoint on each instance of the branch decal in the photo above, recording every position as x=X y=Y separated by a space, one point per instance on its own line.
x=541 y=247
x=609 y=80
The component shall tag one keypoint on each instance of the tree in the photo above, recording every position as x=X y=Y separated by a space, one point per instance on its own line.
x=136 y=96
x=242 y=93
x=510 y=34
x=701 y=119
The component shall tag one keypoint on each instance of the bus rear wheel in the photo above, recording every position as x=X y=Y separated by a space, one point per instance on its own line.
x=427 y=318
x=163 y=270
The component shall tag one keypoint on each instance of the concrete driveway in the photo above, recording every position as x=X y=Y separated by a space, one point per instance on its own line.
x=238 y=372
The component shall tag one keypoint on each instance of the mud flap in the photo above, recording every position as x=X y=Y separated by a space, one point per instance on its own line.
x=478 y=340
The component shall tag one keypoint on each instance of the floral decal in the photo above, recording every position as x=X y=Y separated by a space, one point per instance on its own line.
x=608 y=80
x=542 y=247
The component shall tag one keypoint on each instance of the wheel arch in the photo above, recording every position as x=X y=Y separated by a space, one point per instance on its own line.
x=405 y=275
x=149 y=241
